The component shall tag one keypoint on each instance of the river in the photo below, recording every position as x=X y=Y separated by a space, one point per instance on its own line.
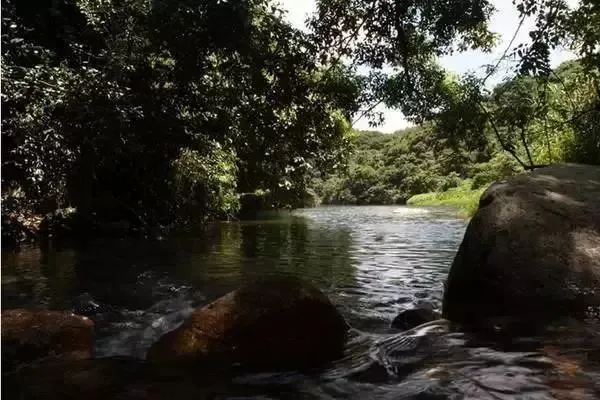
x=372 y=261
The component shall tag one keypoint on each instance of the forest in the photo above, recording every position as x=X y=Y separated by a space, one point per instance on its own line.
x=400 y=167
x=161 y=113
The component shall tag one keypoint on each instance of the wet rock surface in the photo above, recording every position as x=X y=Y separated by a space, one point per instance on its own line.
x=86 y=305
x=426 y=362
x=532 y=250
x=412 y=318
x=28 y=335
x=275 y=323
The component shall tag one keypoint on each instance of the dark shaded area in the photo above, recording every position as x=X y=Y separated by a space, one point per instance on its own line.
x=29 y=335
x=409 y=319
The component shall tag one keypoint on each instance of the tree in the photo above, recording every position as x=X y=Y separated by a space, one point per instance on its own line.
x=401 y=40
x=403 y=36
x=107 y=101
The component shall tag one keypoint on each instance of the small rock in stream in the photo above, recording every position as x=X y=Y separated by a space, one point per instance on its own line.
x=409 y=319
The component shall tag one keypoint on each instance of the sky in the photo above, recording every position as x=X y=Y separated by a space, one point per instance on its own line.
x=504 y=22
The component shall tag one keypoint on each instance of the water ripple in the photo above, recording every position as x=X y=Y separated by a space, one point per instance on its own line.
x=373 y=262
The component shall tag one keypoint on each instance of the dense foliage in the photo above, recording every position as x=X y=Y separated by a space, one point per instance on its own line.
x=400 y=42
x=539 y=120
x=167 y=111
x=145 y=109
x=389 y=169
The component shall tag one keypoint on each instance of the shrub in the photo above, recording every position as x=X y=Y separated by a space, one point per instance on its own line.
x=379 y=194
x=205 y=184
x=451 y=180
x=499 y=167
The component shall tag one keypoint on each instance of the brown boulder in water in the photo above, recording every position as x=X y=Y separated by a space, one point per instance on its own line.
x=279 y=323
x=532 y=249
x=28 y=335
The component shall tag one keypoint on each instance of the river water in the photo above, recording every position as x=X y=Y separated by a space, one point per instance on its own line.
x=373 y=262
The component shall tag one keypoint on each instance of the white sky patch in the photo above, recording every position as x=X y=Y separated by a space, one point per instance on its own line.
x=504 y=22
x=298 y=11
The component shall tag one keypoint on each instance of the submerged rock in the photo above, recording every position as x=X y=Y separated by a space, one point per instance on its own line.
x=85 y=304
x=72 y=379
x=412 y=318
x=532 y=250
x=28 y=335
x=102 y=379
x=123 y=378
x=280 y=323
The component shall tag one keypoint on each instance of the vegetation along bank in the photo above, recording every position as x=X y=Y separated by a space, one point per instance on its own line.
x=138 y=116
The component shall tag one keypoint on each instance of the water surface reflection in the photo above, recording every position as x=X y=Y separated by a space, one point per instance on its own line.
x=371 y=261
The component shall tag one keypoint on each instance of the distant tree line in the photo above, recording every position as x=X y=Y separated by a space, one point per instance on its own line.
x=539 y=120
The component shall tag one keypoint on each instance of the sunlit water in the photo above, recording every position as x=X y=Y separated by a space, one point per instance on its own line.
x=373 y=262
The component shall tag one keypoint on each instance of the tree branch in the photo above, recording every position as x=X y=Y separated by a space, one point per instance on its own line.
x=524 y=141
x=340 y=46
x=503 y=56
x=367 y=111
x=499 y=137
x=545 y=112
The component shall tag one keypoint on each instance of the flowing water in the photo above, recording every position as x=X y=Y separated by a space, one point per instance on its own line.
x=373 y=262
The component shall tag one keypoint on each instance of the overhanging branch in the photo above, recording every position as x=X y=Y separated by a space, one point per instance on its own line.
x=504 y=146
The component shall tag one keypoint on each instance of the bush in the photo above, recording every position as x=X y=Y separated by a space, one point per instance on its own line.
x=499 y=167
x=205 y=184
x=421 y=182
x=466 y=201
x=586 y=146
x=379 y=194
x=451 y=180
x=310 y=198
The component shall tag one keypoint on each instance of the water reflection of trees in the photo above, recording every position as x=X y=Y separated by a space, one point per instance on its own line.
x=131 y=273
x=294 y=247
x=230 y=253
x=36 y=278
x=214 y=261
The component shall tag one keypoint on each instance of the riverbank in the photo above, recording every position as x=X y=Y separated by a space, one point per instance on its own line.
x=466 y=200
x=22 y=226
x=67 y=225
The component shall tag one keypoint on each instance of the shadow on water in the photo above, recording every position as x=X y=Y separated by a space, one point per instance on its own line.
x=372 y=262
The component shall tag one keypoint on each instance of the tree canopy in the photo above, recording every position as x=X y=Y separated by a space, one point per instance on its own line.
x=105 y=102
x=401 y=41
x=168 y=110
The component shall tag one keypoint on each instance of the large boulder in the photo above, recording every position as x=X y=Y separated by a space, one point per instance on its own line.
x=531 y=251
x=29 y=335
x=279 y=323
